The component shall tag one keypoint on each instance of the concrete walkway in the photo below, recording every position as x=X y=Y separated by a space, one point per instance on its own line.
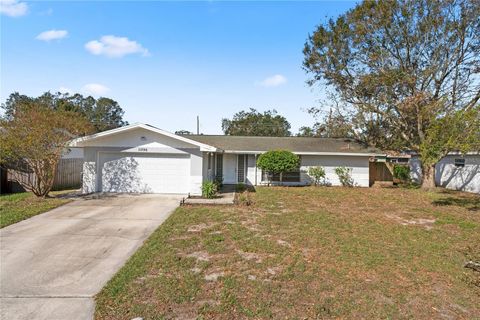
x=53 y=264
x=225 y=196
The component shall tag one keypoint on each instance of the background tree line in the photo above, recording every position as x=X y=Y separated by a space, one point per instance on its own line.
x=102 y=113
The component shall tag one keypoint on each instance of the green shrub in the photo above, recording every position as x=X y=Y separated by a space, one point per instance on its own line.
x=278 y=161
x=219 y=181
x=401 y=172
x=240 y=187
x=345 y=176
x=318 y=174
x=209 y=189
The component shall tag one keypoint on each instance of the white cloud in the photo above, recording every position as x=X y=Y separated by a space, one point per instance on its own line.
x=52 y=35
x=13 y=8
x=115 y=47
x=65 y=90
x=96 y=89
x=273 y=81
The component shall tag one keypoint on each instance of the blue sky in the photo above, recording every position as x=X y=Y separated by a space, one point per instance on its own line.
x=166 y=62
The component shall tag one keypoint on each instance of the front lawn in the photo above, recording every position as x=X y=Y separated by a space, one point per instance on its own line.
x=20 y=206
x=307 y=253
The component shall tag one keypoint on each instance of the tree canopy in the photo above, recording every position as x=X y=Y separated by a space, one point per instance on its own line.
x=102 y=113
x=403 y=69
x=254 y=123
x=332 y=125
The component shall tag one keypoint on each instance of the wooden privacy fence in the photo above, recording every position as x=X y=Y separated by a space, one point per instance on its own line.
x=380 y=171
x=68 y=176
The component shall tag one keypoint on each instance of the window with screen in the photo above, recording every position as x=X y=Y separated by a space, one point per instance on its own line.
x=292 y=176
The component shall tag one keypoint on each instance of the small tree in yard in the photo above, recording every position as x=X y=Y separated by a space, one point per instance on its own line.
x=278 y=162
x=37 y=136
x=345 y=176
x=318 y=174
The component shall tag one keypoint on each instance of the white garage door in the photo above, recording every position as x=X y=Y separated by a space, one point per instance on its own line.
x=144 y=173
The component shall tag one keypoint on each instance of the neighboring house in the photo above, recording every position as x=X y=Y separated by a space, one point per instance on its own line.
x=455 y=171
x=144 y=159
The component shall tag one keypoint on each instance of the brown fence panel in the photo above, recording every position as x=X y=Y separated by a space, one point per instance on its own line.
x=379 y=171
x=68 y=176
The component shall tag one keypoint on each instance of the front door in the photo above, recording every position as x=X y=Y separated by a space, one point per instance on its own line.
x=241 y=160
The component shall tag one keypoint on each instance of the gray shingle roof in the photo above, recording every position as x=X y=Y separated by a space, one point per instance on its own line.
x=294 y=144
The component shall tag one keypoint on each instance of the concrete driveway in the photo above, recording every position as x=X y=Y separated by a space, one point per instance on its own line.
x=53 y=264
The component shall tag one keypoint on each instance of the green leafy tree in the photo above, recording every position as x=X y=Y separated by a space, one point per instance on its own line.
x=254 y=123
x=345 y=176
x=34 y=138
x=318 y=175
x=401 y=172
x=103 y=113
x=459 y=131
x=404 y=69
x=278 y=162
x=332 y=125
x=306 y=131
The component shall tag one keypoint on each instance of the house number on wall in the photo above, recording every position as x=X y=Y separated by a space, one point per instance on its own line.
x=143 y=149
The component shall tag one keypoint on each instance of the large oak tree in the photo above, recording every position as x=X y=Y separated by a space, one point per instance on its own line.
x=409 y=70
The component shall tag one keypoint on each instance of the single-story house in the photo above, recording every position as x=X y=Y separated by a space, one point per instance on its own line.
x=144 y=159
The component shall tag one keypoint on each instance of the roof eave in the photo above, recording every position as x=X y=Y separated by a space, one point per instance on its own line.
x=338 y=153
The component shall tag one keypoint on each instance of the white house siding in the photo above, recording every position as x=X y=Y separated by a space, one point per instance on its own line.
x=73 y=153
x=415 y=169
x=89 y=184
x=358 y=164
x=208 y=174
x=196 y=176
x=449 y=176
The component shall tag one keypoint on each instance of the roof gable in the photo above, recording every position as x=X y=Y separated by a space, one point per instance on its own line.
x=127 y=136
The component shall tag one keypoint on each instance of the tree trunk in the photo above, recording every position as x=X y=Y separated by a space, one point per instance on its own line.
x=281 y=178
x=428 y=176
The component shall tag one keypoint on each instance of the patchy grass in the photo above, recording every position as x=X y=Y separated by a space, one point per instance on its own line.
x=301 y=253
x=20 y=206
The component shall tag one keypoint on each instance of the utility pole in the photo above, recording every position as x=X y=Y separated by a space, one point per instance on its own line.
x=198 y=125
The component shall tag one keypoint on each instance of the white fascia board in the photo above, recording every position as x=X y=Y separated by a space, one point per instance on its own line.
x=313 y=153
x=470 y=153
x=83 y=141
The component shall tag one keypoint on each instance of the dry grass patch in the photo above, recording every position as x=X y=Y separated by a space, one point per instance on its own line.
x=307 y=253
